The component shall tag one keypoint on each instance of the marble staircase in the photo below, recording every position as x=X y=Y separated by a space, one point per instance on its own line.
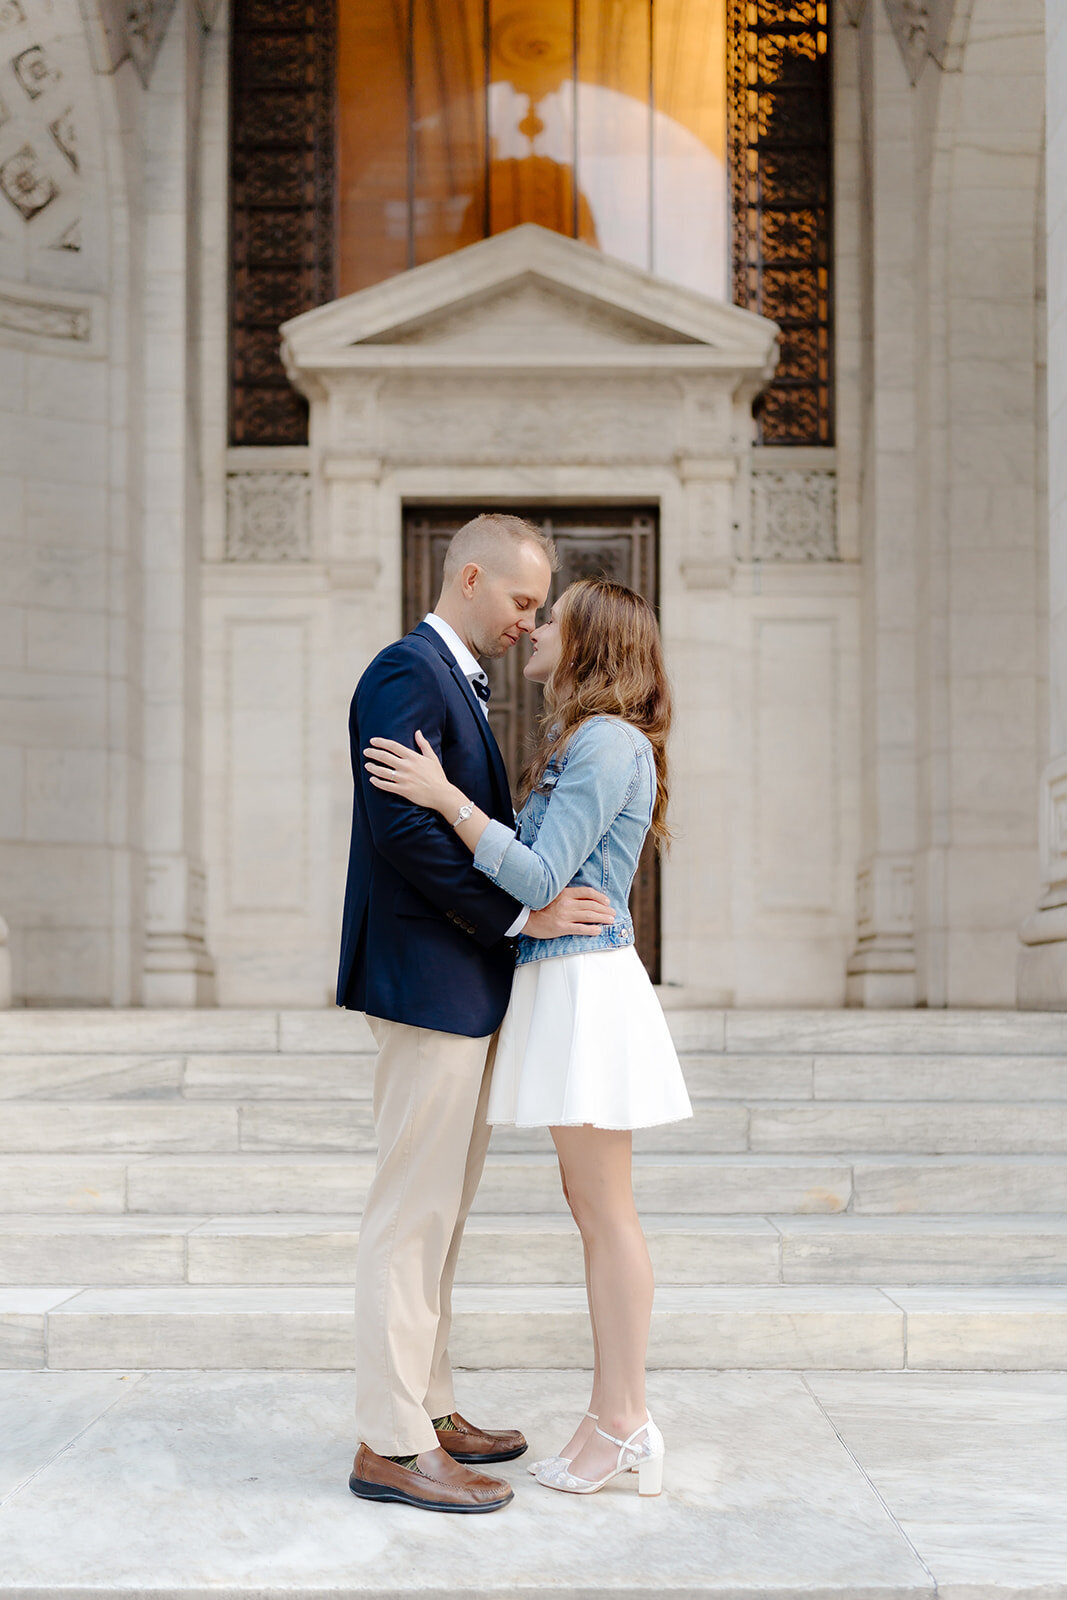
x=857 y=1190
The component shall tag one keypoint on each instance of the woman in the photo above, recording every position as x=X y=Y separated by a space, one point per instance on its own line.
x=584 y=1048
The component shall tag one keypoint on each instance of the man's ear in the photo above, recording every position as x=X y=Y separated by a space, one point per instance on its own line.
x=468 y=578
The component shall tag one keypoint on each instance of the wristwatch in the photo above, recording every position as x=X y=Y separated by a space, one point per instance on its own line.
x=466 y=810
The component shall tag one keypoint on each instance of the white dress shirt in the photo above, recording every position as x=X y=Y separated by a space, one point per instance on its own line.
x=470 y=668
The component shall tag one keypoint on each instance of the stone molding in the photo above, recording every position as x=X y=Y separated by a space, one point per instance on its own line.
x=680 y=329
x=51 y=320
x=268 y=516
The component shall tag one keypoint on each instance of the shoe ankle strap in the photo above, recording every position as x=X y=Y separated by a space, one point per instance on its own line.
x=624 y=1444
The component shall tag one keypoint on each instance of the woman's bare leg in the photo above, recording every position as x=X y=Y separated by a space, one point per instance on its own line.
x=586 y=1425
x=596 y=1165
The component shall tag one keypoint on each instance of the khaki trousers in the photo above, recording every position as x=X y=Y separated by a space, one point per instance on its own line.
x=430 y=1095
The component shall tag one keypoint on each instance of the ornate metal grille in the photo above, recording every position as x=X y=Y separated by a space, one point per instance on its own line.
x=282 y=235
x=780 y=164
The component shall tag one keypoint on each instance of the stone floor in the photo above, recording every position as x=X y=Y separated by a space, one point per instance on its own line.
x=854 y=1485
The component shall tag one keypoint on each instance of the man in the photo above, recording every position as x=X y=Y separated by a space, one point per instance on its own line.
x=427 y=952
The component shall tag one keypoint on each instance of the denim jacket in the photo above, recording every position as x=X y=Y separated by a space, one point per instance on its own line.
x=585 y=830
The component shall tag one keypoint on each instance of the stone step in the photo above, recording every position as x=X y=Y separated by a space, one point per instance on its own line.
x=330 y=1031
x=238 y=1183
x=342 y=1127
x=836 y=1327
x=242 y=1182
x=539 y=1249
x=346 y=1127
x=750 y=1078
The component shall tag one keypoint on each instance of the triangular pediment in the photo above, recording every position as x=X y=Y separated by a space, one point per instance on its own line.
x=526 y=312
x=526 y=292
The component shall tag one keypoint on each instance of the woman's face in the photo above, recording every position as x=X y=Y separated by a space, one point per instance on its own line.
x=545 y=641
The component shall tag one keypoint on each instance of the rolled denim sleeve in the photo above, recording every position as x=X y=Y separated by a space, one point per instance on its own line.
x=597 y=780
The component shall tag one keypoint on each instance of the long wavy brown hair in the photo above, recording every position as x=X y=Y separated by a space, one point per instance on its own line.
x=610 y=665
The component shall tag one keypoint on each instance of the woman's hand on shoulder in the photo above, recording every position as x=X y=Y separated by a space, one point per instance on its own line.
x=415 y=775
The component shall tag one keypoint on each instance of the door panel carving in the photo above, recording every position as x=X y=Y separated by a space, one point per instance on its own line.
x=610 y=542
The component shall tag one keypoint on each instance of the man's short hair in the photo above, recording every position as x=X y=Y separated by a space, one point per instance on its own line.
x=485 y=538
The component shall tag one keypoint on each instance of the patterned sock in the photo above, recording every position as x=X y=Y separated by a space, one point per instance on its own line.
x=445 y=1425
x=411 y=1462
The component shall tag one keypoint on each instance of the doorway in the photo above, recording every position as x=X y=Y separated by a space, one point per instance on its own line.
x=617 y=542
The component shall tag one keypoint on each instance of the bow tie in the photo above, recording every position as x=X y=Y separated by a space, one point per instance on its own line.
x=480 y=684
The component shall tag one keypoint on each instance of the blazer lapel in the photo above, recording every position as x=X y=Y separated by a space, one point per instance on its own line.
x=496 y=760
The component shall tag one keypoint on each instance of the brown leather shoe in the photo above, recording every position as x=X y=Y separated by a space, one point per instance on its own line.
x=465 y=1442
x=440 y=1484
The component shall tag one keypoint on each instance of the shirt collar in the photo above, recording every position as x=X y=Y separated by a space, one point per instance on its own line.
x=468 y=664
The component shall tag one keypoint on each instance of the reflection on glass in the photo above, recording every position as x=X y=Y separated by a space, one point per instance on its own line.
x=448 y=126
x=689 y=178
x=372 y=141
x=600 y=119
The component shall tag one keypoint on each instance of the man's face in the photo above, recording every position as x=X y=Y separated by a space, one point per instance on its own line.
x=504 y=604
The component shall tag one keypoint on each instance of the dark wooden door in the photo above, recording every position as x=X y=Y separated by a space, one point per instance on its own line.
x=617 y=542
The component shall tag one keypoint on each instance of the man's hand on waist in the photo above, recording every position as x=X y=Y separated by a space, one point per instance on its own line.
x=572 y=911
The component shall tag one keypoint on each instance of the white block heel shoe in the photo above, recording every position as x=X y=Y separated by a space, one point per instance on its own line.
x=643 y=1454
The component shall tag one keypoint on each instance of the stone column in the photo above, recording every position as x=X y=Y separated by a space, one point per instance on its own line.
x=177 y=967
x=882 y=967
x=1042 y=964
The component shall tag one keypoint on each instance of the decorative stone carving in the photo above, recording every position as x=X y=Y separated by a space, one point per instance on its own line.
x=46 y=319
x=24 y=182
x=35 y=71
x=132 y=30
x=70 y=238
x=146 y=23
x=41 y=118
x=268 y=517
x=64 y=133
x=794 y=516
x=921 y=28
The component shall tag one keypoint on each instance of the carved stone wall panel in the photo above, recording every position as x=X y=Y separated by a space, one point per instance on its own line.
x=531 y=420
x=268 y=516
x=794 y=516
x=52 y=214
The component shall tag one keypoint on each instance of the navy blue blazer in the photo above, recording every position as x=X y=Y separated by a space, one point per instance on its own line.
x=423 y=933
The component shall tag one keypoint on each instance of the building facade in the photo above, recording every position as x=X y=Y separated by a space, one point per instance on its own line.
x=755 y=318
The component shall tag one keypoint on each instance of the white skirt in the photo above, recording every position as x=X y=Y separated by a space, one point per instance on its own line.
x=585 y=1041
